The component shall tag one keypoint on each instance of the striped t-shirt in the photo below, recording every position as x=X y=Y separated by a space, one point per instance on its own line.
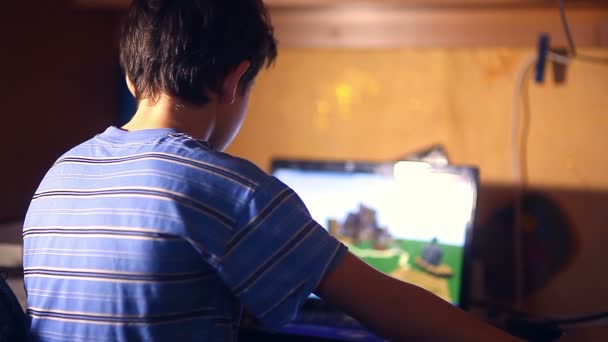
x=153 y=235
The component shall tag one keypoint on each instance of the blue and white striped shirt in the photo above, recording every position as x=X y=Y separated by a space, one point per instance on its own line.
x=152 y=235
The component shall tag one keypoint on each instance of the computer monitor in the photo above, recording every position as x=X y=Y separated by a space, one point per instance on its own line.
x=410 y=220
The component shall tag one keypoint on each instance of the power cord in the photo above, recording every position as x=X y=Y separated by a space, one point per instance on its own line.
x=541 y=330
x=518 y=160
x=519 y=141
x=571 y=44
x=519 y=323
x=519 y=133
x=580 y=319
x=532 y=327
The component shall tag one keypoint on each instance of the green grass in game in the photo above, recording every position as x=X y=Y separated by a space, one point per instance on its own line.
x=452 y=257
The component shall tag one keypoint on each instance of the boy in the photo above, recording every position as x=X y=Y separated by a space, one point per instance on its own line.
x=149 y=232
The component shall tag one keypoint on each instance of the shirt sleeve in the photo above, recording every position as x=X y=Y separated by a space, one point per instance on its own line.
x=277 y=255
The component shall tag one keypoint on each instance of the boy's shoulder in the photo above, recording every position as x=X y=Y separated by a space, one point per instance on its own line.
x=177 y=146
x=204 y=153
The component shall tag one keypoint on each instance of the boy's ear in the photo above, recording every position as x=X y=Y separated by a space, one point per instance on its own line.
x=231 y=83
x=130 y=85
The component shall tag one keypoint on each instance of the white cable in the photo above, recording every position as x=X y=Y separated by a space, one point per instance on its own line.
x=525 y=68
x=557 y=58
x=517 y=169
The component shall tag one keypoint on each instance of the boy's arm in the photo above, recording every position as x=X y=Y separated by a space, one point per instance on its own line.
x=398 y=310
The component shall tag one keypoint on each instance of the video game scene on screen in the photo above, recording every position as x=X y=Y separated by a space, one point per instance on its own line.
x=412 y=229
x=427 y=264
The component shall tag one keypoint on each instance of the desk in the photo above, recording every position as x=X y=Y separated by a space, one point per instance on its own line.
x=586 y=333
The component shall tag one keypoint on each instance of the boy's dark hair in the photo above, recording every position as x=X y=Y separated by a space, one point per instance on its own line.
x=185 y=48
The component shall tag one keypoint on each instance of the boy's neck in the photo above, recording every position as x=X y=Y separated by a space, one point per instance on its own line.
x=196 y=121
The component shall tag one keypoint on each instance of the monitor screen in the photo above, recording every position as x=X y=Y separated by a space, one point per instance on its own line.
x=409 y=220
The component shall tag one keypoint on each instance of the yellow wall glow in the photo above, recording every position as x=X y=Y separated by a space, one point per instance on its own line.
x=381 y=104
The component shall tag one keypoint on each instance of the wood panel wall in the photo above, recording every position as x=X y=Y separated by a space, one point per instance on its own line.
x=422 y=23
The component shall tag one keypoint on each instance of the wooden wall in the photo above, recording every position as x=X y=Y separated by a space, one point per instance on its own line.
x=422 y=23
x=379 y=104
